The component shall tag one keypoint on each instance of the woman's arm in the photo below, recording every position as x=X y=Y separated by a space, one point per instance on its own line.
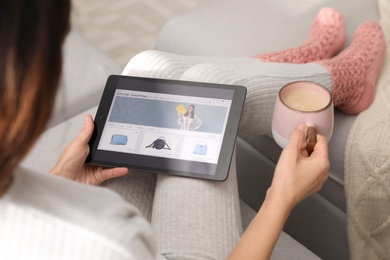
x=197 y=122
x=296 y=177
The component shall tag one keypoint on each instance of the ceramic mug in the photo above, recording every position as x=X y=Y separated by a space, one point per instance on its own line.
x=302 y=102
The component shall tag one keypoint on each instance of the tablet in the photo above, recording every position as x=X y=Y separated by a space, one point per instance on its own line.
x=175 y=127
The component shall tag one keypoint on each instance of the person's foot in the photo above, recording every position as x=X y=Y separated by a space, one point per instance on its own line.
x=326 y=37
x=355 y=70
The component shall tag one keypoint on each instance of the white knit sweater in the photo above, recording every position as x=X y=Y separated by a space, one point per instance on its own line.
x=49 y=217
x=367 y=168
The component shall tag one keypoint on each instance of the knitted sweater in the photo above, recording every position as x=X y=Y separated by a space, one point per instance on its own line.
x=367 y=168
x=48 y=217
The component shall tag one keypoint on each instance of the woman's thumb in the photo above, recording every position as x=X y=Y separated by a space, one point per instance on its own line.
x=87 y=130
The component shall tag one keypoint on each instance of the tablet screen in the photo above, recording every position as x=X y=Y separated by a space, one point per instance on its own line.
x=176 y=127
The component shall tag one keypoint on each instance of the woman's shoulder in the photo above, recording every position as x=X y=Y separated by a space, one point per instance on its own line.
x=41 y=189
x=60 y=196
x=72 y=205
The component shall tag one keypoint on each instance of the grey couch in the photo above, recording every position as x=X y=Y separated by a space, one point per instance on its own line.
x=248 y=27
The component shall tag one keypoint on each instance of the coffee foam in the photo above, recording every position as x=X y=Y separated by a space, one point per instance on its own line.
x=305 y=100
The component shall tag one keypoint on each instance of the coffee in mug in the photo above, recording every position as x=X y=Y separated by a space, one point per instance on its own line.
x=305 y=100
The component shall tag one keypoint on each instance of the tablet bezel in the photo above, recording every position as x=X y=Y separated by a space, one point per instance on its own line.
x=229 y=138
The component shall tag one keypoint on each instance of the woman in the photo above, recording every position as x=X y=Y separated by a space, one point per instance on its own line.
x=189 y=121
x=45 y=216
x=37 y=216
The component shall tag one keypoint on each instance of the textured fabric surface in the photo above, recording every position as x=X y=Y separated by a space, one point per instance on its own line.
x=137 y=188
x=196 y=219
x=367 y=168
x=356 y=69
x=262 y=80
x=44 y=216
x=326 y=37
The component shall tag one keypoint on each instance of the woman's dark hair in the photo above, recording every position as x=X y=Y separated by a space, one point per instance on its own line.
x=32 y=33
x=192 y=113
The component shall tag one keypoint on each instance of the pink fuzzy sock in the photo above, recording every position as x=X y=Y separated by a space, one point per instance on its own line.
x=355 y=70
x=327 y=35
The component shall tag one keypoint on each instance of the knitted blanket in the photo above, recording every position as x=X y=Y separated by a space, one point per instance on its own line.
x=367 y=168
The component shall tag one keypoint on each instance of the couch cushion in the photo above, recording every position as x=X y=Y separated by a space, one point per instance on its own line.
x=84 y=76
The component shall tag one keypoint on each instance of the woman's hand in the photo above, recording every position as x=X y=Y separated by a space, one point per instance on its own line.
x=71 y=162
x=298 y=175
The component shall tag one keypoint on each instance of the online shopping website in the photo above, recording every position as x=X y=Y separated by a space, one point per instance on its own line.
x=165 y=125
